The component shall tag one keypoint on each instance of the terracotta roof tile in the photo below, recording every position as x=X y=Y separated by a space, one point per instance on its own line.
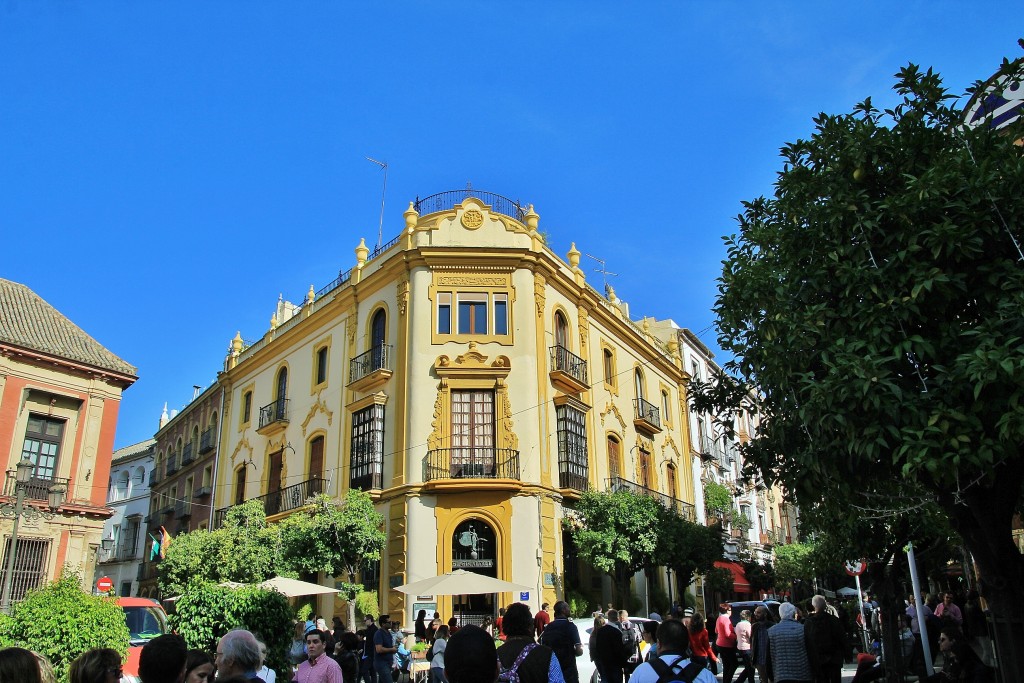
x=26 y=320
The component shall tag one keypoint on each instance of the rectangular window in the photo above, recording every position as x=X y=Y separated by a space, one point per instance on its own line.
x=126 y=589
x=240 y=485
x=473 y=313
x=472 y=439
x=371 y=576
x=30 y=558
x=609 y=368
x=368 y=448
x=444 y=313
x=128 y=541
x=572 y=448
x=321 y=365
x=42 y=448
x=207 y=476
x=246 y=407
x=501 y=314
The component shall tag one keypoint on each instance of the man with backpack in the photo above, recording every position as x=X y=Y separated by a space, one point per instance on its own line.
x=672 y=665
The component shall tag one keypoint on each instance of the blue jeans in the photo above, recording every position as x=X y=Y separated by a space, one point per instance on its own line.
x=437 y=675
x=383 y=668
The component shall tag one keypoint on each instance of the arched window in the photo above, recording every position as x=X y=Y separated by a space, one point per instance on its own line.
x=316 y=458
x=614 y=457
x=378 y=337
x=213 y=421
x=664 y=407
x=123 y=485
x=561 y=331
x=609 y=368
x=638 y=383
x=282 y=384
x=140 y=476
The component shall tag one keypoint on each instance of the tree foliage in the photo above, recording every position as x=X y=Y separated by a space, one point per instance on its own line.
x=623 y=532
x=873 y=309
x=245 y=550
x=795 y=562
x=339 y=540
x=206 y=611
x=61 y=621
x=717 y=498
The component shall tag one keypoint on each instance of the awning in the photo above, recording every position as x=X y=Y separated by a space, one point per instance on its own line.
x=739 y=577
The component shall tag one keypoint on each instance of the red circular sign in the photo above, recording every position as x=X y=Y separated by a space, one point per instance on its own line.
x=105 y=584
x=856 y=567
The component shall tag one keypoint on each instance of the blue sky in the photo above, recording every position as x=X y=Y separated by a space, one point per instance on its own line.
x=168 y=168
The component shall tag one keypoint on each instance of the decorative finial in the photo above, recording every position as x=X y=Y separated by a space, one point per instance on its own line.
x=237 y=343
x=310 y=295
x=574 y=256
x=532 y=218
x=273 y=322
x=411 y=218
x=361 y=253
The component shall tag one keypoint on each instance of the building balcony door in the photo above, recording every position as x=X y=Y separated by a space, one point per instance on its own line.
x=472 y=441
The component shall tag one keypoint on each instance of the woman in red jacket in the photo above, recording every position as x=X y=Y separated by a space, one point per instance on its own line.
x=699 y=645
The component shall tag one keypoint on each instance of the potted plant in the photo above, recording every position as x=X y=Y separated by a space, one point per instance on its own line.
x=717 y=499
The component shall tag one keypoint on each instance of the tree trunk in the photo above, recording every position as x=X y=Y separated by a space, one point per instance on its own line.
x=352 y=626
x=984 y=521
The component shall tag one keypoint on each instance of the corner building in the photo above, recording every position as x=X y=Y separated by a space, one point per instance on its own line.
x=475 y=385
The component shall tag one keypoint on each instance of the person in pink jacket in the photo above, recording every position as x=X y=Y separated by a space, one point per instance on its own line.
x=725 y=639
x=743 y=633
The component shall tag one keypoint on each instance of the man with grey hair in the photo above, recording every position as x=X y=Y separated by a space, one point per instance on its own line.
x=825 y=638
x=787 y=645
x=238 y=654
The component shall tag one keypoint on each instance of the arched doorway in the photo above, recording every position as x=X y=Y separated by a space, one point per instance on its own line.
x=474 y=550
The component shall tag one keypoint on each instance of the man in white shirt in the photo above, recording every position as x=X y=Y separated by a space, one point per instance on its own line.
x=673 y=640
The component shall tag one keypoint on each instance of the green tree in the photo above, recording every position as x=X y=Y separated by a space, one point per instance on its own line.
x=245 y=550
x=687 y=547
x=794 y=562
x=872 y=307
x=717 y=499
x=205 y=611
x=61 y=621
x=336 y=539
x=616 y=532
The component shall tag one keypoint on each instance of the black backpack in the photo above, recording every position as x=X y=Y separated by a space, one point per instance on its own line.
x=667 y=674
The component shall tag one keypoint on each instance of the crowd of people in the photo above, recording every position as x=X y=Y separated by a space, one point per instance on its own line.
x=521 y=647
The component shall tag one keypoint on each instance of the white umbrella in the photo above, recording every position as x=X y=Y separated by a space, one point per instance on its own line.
x=847 y=592
x=460 y=582
x=294 y=588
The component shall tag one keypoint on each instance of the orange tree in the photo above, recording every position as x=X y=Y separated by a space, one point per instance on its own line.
x=874 y=309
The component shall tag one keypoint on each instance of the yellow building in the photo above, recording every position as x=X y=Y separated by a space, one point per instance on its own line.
x=474 y=383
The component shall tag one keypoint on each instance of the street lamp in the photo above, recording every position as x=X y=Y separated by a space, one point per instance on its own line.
x=55 y=498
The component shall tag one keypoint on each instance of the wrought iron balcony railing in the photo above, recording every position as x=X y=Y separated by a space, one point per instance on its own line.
x=564 y=360
x=207 y=440
x=186 y=454
x=685 y=510
x=479 y=462
x=375 y=359
x=37 y=488
x=648 y=412
x=569 y=479
x=444 y=201
x=172 y=464
x=274 y=412
x=182 y=509
x=283 y=500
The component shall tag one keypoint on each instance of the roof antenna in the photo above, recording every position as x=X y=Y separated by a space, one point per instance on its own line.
x=383 y=193
x=604 y=273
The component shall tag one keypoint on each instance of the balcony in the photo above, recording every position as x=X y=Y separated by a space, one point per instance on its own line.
x=371 y=369
x=183 y=509
x=569 y=479
x=481 y=462
x=207 y=440
x=147 y=571
x=37 y=488
x=187 y=456
x=568 y=371
x=685 y=510
x=127 y=551
x=154 y=477
x=646 y=416
x=273 y=417
x=283 y=500
x=202 y=491
x=172 y=464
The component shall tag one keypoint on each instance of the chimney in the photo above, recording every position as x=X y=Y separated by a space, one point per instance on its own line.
x=196 y=389
x=163 y=417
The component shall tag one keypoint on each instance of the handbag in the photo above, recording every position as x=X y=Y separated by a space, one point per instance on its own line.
x=430 y=653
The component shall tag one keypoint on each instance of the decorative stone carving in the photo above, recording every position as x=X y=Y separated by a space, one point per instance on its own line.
x=584 y=326
x=507 y=432
x=319 y=406
x=403 y=294
x=472 y=219
x=610 y=408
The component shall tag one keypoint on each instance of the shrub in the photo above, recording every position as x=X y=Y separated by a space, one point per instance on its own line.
x=579 y=606
x=206 y=611
x=61 y=621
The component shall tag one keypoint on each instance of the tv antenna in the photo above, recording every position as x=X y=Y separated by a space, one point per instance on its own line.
x=383 y=194
x=604 y=272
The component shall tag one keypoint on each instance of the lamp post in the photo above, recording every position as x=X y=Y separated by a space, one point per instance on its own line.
x=23 y=475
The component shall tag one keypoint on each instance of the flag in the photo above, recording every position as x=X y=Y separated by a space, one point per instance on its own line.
x=165 y=542
x=154 y=548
